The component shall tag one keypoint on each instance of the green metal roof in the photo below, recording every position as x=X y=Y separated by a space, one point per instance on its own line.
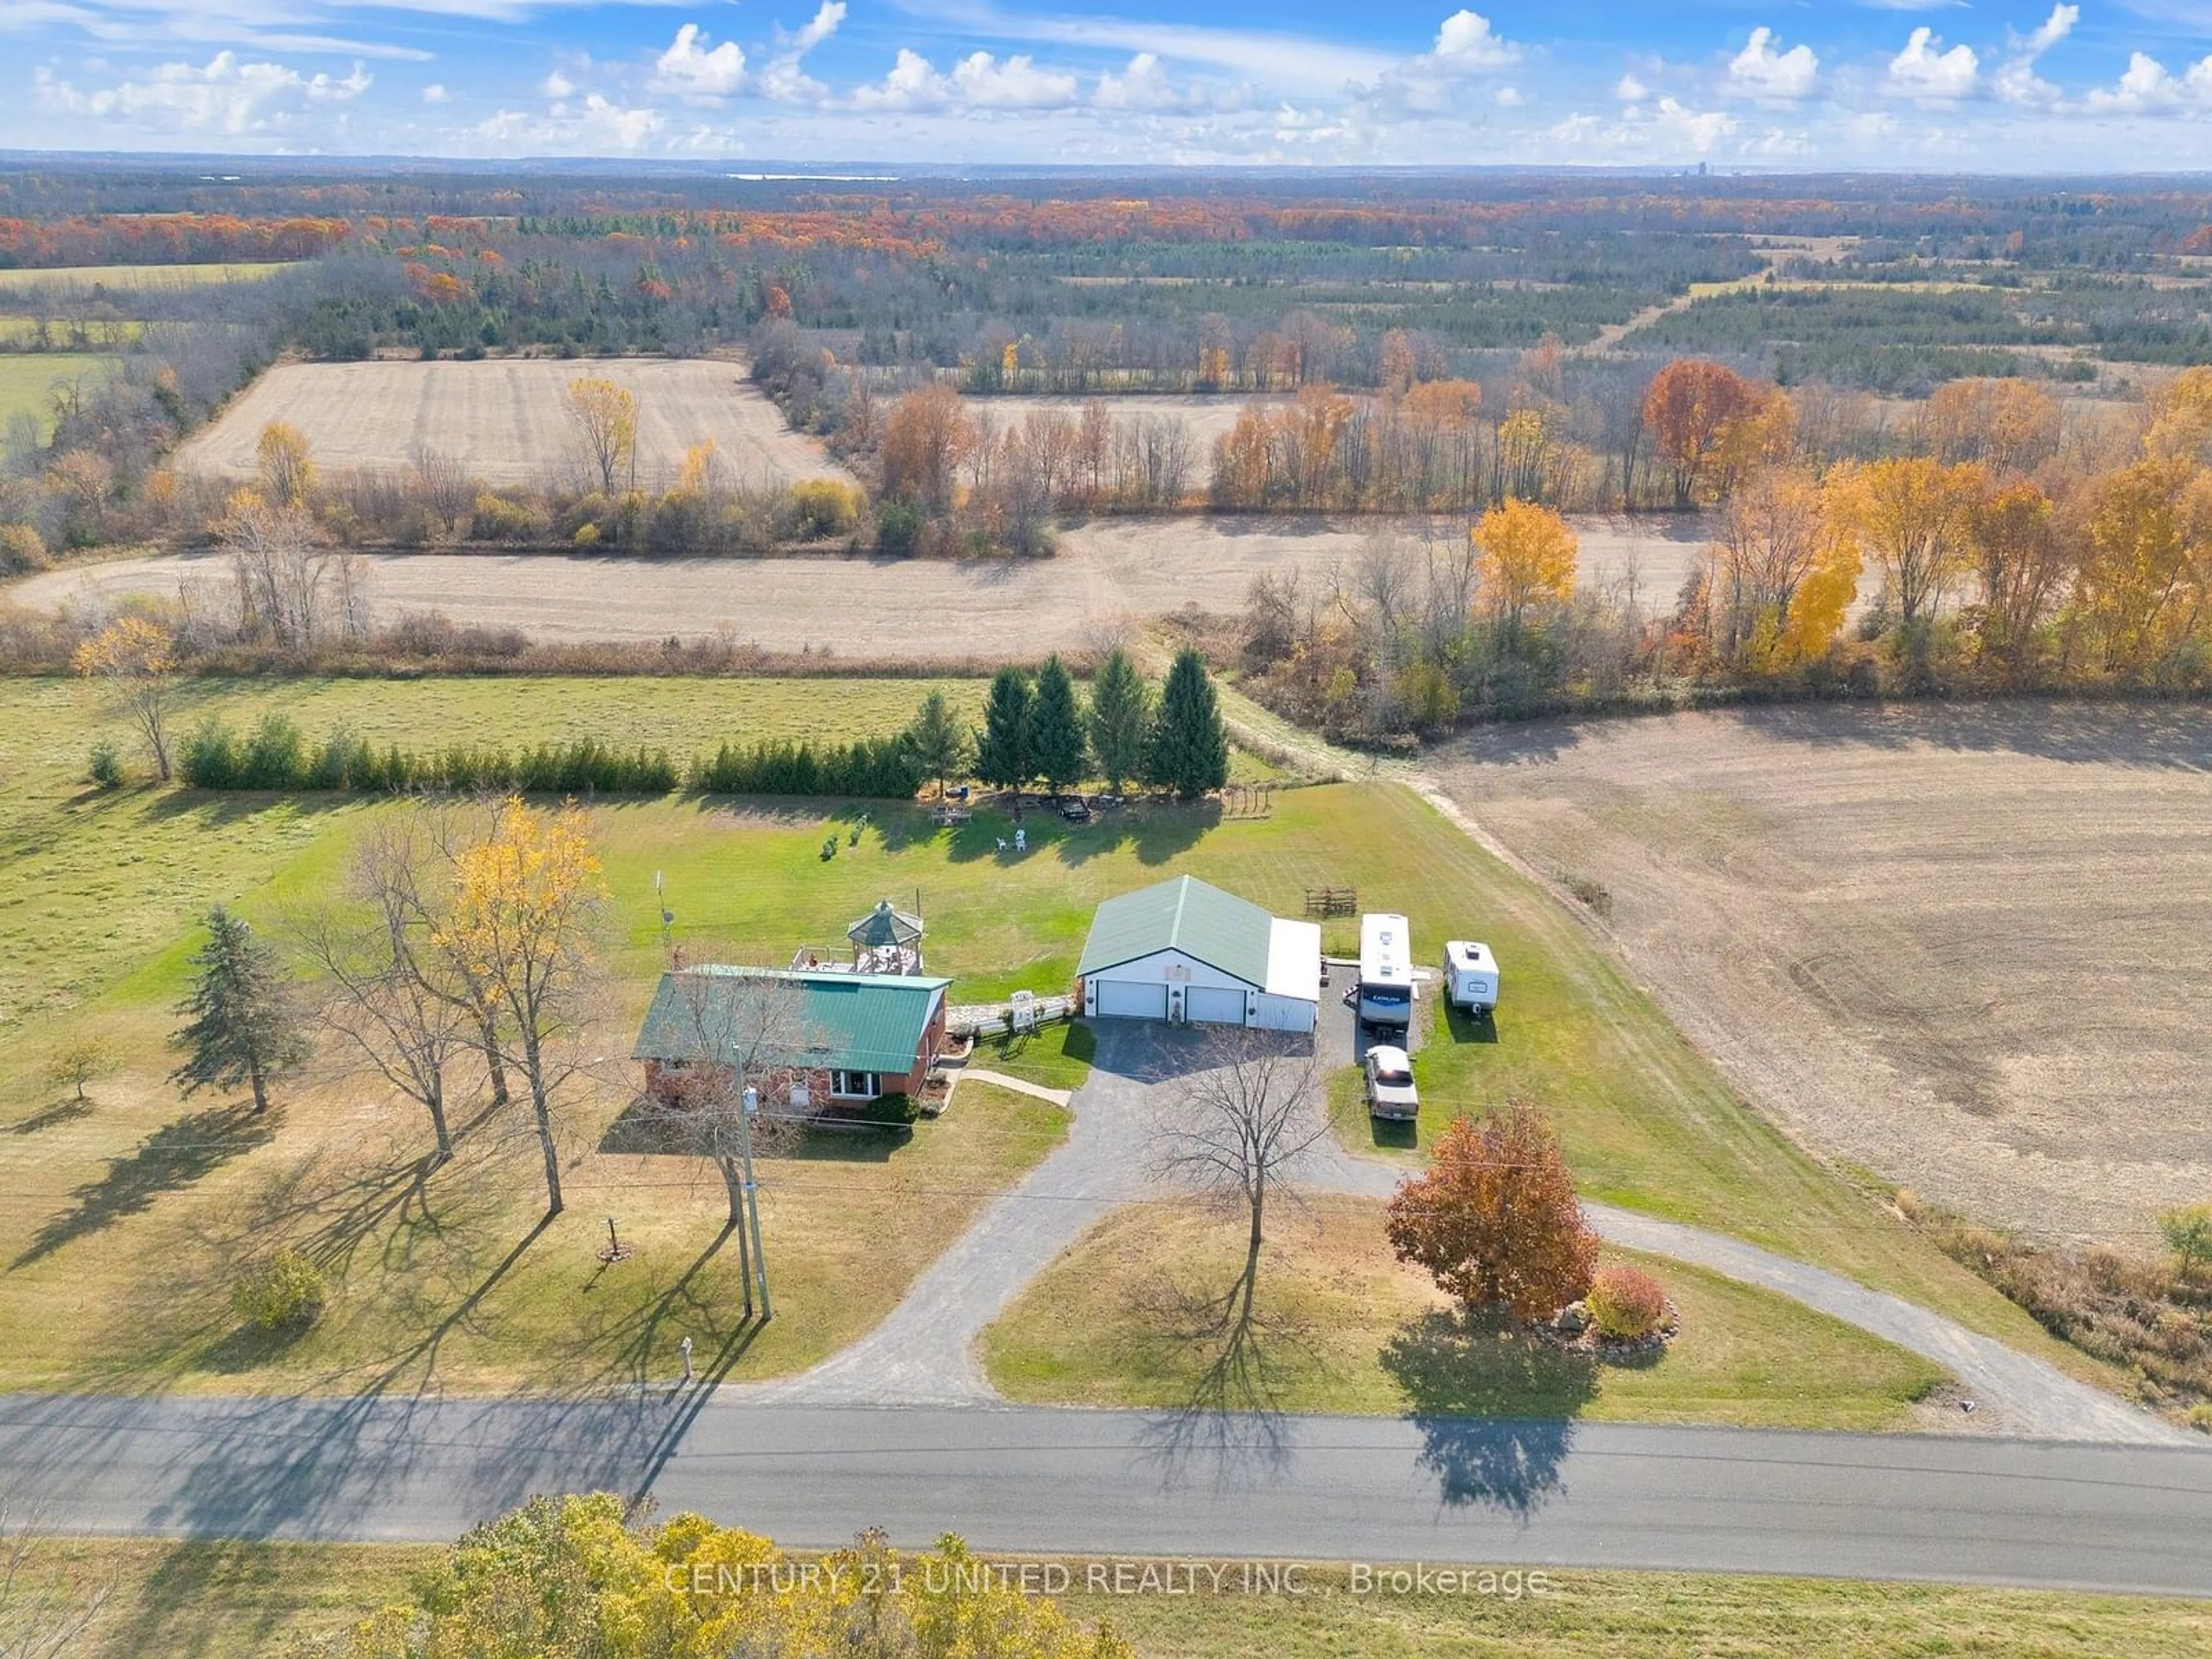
x=1185 y=914
x=852 y=1022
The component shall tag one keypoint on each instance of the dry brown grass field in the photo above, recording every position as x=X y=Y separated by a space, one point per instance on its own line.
x=1107 y=574
x=1964 y=948
x=506 y=419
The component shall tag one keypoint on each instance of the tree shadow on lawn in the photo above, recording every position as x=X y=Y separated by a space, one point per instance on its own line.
x=633 y=1343
x=1158 y=830
x=62 y=1111
x=174 y=1157
x=205 y=1595
x=1495 y=1409
x=645 y=1129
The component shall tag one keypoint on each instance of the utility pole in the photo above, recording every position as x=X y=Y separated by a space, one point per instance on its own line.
x=751 y=1105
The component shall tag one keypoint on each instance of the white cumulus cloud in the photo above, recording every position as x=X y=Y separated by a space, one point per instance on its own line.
x=436 y=93
x=979 y=81
x=1920 y=71
x=691 y=69
x=224 y=96
x=1466 y=41
x=1631 y=90
x=1761 y=69
x=784 y=80
x=1145 y=85
x=2148 y=87
x=2016 y=81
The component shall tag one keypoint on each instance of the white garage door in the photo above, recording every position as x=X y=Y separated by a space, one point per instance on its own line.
x=1285 y=1014
x=1204 y=1004
x=1131 y=999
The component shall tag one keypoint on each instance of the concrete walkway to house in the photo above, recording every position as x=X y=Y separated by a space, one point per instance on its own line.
x=1020 y=1087
x=924 y=1352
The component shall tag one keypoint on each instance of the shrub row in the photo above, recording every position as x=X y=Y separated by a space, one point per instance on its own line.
x=274 y=755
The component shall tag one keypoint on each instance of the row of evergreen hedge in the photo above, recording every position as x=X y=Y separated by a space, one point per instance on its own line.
x=274 y=755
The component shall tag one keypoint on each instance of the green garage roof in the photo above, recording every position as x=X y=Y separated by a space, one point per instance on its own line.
x=1185 y=914
x=852 y=1022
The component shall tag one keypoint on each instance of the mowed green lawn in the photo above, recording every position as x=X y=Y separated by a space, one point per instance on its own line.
x=1346 y=1328
x=94 y=938
x=100 y=883
x=28 y=379
x=221 y=1600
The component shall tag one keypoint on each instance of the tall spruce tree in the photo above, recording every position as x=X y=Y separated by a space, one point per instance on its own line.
x=243 y=1027
x=942 y=746
x=1190 y=749
x=1003 y=747
x=1057 y=751
x=1121 y=718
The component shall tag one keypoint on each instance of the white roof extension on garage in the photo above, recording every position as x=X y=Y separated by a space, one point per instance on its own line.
x=1187 y=951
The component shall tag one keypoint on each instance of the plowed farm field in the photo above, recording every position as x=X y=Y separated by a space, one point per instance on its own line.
x=1963 y=948
x=507 y=420
x=1106 y=575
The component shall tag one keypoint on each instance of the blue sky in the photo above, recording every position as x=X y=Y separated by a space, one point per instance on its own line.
x=1731 y=82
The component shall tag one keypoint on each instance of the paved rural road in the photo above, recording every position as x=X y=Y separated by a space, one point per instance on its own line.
x=1024 y=1481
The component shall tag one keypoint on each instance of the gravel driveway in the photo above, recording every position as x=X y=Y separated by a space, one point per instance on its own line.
x=924 y=1352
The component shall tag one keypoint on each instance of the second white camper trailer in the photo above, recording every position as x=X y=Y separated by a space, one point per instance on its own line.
x=1470 y=975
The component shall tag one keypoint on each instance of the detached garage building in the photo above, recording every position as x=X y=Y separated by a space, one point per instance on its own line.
x=1193 y=954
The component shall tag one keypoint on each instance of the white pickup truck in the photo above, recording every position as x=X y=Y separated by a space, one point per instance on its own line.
x=1470 y=976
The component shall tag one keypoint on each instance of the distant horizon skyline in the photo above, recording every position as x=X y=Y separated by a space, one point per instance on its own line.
x=897 y=172
x=1892 y=86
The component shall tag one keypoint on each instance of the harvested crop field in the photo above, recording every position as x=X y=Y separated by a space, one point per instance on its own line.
x=506 y=420
x=1964 y=948
x=1208 y=416
x=1107 y=574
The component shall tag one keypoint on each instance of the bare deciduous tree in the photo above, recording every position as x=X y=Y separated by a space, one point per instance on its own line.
x=43 y=1615
x=280 y=560
x=750 y=1029
x=1233 y=1132
x=401 y=1002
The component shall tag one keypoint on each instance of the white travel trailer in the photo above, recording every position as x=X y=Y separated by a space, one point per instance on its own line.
x=1470 y=975
x=1386 y=971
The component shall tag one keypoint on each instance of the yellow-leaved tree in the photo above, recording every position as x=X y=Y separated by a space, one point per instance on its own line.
x=2181 y=418
x=1915 y=517
x=1781 y=580
x=1528 y=559
x=605 y=416
x=2148 y=570
x=286 y=470
x=137 y=658
x=526 y=898
x=702 y=471
x=571 y=1578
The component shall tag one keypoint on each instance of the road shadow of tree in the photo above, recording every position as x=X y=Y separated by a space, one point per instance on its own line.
x=1230 y=1425
x=175 y=1156
x=1495 y=1409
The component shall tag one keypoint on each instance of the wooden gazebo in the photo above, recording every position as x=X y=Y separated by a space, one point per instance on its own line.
x=886 y=941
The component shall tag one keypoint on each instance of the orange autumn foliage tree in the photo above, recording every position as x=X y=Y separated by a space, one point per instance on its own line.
x=1691 y=408
x=2011 y=425
x=1494 y=1219
x=927 y=436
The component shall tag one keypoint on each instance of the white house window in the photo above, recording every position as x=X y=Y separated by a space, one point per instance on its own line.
x=855 y=1085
